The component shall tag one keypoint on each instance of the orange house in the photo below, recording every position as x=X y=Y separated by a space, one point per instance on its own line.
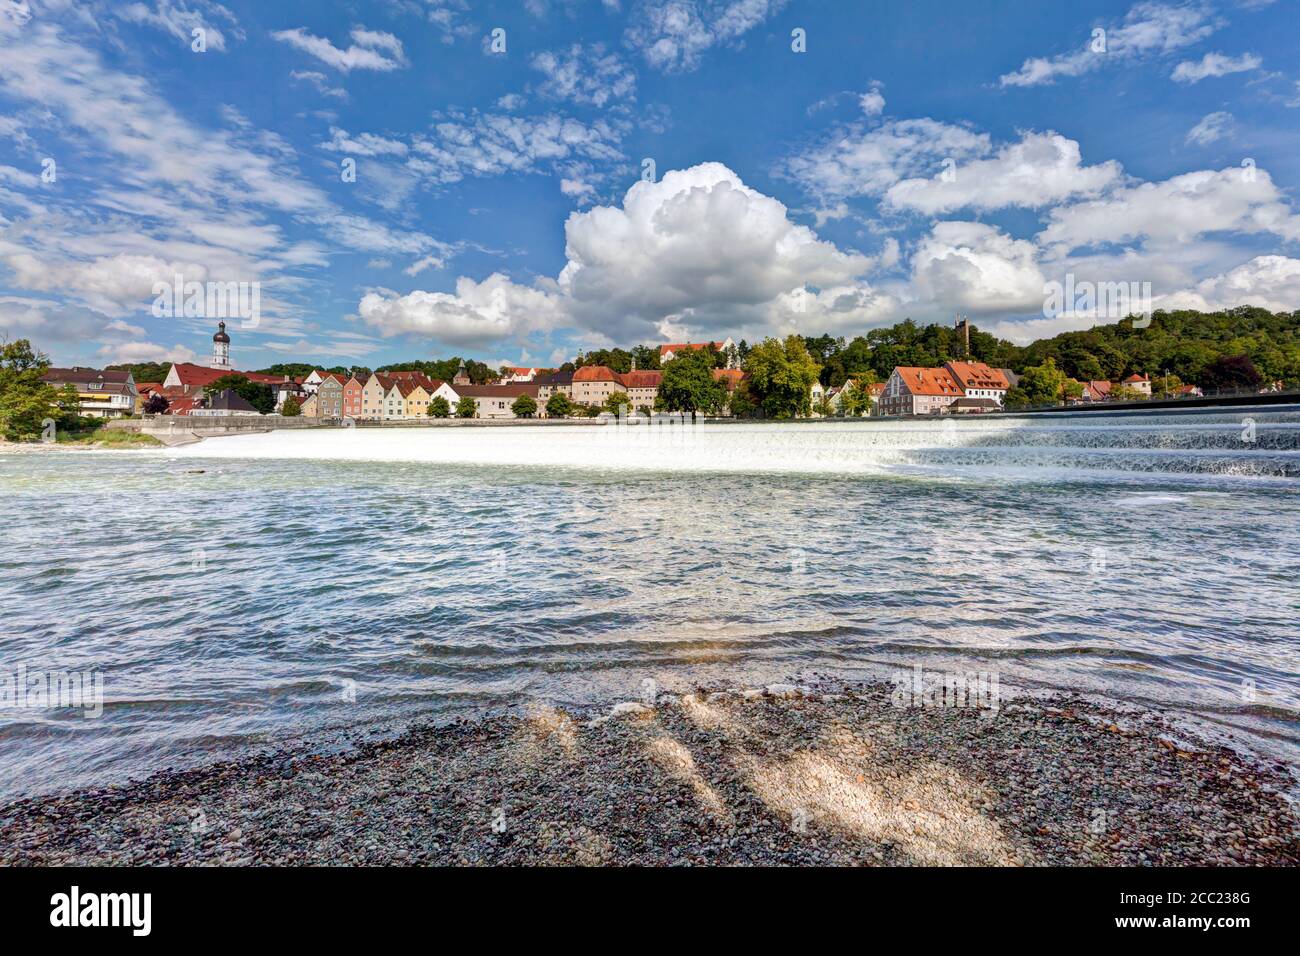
x=352 y=390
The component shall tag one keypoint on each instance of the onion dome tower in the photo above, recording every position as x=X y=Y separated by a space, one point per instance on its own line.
x=221 y=348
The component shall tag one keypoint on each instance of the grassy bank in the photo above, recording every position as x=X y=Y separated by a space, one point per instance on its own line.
x=107 y=438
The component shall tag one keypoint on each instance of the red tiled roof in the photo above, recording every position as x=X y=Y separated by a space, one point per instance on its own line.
x=181 y=405
x=731 y=377
x=1137 y=378
x=192 y=376
x=594 y=373
x=641 y=379
x=977 y=375
x=928 y=381
x=1096 y=389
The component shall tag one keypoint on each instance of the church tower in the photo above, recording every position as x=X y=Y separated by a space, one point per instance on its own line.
x=220 y=349
x=462 y=376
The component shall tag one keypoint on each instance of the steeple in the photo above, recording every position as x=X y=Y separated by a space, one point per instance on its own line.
x=462 y=376
x=221 y=349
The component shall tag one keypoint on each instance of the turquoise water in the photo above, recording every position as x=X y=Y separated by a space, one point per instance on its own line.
x=290 y=587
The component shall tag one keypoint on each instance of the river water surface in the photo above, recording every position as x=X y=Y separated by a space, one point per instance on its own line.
x=289 y=587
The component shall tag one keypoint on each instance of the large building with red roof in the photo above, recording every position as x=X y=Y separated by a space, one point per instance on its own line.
x=911 y=390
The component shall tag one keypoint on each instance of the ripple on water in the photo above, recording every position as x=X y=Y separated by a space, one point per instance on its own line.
x=284 y=595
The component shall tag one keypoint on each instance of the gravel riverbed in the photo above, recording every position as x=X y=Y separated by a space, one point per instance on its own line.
x=765 y=776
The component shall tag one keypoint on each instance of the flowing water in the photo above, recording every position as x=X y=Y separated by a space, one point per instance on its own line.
x=299 y=586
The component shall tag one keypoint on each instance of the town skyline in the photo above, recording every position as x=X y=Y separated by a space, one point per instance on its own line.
x=572 y=189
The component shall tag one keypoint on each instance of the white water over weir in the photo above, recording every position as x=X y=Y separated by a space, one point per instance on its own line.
x=1258 y=443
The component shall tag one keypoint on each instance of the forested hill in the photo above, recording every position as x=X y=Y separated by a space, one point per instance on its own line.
x=1180 y=342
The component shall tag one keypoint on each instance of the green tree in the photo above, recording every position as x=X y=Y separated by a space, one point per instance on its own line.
x=292 y=408
x=1041 y=385
x=620 y=360
x=466 y=407
x=688 y=384
x=741 y=403
x=856 y=399
x=525 y=406
x=145 y=371
x=292 y=369
x=439 y=407
x=781 y=377
x=559 y=406
x=68 y=402
x=617 y=401
x=25 y=401
x=1126 y=393
x=646 y=358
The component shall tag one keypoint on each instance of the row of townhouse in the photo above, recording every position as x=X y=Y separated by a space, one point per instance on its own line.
x=953 y=388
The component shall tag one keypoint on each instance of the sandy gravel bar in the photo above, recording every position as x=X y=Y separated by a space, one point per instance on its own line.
x=772 y=776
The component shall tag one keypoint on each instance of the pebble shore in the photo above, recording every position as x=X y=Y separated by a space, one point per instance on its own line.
x=781 y=775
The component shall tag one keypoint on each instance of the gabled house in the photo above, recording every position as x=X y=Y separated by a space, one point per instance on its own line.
x=372 y=396
x=1095 y=390
x=394 y=407
x=594 y=384
x=352 y=390
x=110 y=393
x=1141 y=383
x=329 y=391
x=512 y=374
x=979 y=380
x=226 y=402
x=550 y=384
x=643 y=387
x=911 y=390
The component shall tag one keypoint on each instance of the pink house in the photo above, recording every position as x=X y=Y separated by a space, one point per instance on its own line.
x=352 y=398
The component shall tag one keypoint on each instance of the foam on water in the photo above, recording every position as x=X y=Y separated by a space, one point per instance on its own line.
x=1209 y=443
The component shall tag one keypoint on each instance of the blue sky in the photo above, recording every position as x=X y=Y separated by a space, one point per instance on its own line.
x=630 y=171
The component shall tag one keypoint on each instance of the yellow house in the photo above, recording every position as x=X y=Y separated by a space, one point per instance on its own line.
x=417 y=399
